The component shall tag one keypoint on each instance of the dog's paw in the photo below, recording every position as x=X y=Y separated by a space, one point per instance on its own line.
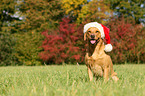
x=115 y=78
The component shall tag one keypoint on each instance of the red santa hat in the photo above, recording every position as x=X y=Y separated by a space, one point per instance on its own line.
x=104 y=33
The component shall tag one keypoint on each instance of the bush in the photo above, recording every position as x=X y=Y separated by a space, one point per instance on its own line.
x=27 y=48
x=7 y=51
x=128 y=41
x=63 y=44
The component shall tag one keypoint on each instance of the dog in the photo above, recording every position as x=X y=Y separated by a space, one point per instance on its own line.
x=97 y=61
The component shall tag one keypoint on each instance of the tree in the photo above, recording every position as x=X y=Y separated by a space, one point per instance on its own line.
x=39 y=15
x=7 y=10
x=27 y=48
x=129 y=8
x=60 y=46
x=82 y=10
x=128 y=41
x=73 y=7
x=7 y=41
x=95 y=10
x=7 y=51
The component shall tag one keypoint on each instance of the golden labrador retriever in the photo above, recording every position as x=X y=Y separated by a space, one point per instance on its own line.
x=97 y=61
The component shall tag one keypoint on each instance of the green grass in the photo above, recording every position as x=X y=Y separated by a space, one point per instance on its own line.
x=70 y=80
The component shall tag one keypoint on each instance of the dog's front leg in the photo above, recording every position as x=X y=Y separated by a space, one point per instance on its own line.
x=90 y=74
x=106 y=73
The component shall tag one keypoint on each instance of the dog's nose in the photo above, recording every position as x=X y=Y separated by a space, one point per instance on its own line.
x=92 y=36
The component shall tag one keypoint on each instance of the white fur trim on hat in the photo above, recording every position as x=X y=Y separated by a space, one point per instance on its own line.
x=97 y=25
x=108 y=48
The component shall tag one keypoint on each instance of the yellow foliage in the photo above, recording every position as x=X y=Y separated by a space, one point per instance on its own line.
x=82 y=10
x=94 y=10
x=72 y=7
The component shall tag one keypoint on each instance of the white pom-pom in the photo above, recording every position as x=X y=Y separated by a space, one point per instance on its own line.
x=108 y=48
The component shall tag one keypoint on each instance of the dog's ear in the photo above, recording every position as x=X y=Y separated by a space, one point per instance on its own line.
x=85 y=34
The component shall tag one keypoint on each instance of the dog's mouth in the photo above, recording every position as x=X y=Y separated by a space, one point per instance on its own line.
x=93 y=41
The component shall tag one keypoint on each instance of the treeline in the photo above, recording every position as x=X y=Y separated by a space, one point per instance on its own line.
x=38 y=32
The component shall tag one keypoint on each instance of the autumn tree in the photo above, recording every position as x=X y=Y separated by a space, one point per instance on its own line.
x=127 y=40
x=36 y=16
x=7 y=10
x=39 y=14
x=95 y=10
x=80 y=11
x=128 y=8
x=72 y=7
x=60 y=46
x=7 y=40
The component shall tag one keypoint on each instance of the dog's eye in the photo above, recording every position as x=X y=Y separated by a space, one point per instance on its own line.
x=97 y=31
x=89 y=31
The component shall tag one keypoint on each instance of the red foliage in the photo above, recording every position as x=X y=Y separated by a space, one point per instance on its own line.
x=63 y=44
x=126 y=39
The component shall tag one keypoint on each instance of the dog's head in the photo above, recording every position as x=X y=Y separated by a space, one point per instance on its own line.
x=93 y=35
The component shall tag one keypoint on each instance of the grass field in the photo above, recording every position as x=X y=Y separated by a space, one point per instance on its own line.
x=70 y=80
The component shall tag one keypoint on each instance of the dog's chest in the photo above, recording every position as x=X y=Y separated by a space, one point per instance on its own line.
x=96 y=66
x=97 y=70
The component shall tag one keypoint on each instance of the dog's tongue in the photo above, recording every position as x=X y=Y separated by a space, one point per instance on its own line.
x=93 y=41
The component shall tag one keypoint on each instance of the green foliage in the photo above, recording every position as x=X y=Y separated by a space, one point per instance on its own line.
x=40 y=15
x=129 y=8
x=7 y=51
x=7 y=6
x=70 y=81
x=27 y=48
x=7 y=9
